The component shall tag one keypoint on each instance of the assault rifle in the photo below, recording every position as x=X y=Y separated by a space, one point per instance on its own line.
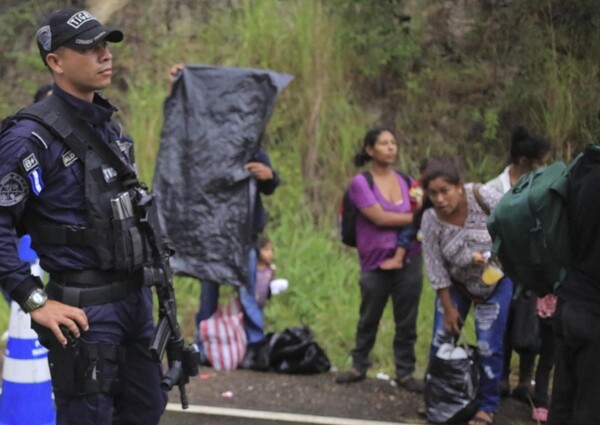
x=182 y=361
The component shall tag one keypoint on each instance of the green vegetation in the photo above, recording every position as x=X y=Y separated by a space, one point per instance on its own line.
x=451 y=78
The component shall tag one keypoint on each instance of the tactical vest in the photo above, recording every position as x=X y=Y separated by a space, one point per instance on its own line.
x=114 y=229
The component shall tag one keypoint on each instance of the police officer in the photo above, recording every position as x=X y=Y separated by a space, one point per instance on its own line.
x=95 y=315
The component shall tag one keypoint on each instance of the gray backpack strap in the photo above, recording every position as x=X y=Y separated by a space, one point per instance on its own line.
x=486 y=208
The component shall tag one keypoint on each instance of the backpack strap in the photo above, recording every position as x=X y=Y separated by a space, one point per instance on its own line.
x=479 y=198
x=371 y=183
x=407 y=179
x=369 y=177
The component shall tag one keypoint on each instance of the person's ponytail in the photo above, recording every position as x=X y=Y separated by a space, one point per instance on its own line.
x=361 y=158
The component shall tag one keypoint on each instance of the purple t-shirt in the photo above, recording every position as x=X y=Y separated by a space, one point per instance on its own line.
x=375 y=243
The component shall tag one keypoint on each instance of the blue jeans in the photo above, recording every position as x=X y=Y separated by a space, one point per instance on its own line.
x=253 y=314
x=490 y=323
x=254 y=319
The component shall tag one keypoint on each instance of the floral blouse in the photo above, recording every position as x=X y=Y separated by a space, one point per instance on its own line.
x=448 y=249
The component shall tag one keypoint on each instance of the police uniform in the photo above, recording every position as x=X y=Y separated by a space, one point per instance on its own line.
x=43 y=186
x=108 y=375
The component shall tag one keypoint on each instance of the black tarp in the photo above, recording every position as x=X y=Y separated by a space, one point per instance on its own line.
x=213 y=123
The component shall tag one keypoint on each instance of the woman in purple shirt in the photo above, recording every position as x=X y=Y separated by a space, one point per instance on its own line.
x=384 y=208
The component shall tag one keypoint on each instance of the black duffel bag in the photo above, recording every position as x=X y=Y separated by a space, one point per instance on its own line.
x=291 y=351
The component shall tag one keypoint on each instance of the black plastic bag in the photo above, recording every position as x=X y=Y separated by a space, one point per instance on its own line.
x=258 y=355
x=451 y=388
x=291 y=351
x=525 y=332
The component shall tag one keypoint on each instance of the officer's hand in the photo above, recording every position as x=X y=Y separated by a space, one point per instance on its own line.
x=53 y=314
x=259 y=170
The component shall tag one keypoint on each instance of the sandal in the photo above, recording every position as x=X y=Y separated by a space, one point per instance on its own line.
x=478 y=419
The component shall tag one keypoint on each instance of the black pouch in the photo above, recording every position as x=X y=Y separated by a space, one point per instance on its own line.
x=62 y=360
x=83 y=368
x=129 y=246
x=64 y=368
x=525 y=333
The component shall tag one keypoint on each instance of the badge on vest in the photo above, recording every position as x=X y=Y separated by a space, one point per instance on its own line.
x=69 y=158
x=125 y=147
x=13 y=189
x=109 y=173
x=29 y=163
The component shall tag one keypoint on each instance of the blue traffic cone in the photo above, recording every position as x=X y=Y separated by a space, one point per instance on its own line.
x=26 y=386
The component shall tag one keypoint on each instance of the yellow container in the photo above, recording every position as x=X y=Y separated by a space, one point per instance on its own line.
x=491 y=274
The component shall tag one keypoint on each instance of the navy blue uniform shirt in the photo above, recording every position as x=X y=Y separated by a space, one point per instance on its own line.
x=43 y=180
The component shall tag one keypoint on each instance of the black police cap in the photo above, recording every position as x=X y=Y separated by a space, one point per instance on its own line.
x=74 y=28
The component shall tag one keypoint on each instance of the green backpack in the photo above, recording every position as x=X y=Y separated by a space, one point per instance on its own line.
x=529 y=229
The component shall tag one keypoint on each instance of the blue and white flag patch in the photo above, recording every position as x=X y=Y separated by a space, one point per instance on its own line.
x=37 y=184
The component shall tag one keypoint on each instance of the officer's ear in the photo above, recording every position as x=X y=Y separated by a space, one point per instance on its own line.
x=54 y=61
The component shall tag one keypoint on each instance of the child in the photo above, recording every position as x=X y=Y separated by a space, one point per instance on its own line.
x=407 y=233
x=265 y=271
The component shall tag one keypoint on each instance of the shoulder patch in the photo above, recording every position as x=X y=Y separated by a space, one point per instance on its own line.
x=13 y=189
x=69 y=158
x=37 y=183
x=29 y=162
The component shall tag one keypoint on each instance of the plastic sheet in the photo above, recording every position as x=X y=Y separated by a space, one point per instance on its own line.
x=213 y=123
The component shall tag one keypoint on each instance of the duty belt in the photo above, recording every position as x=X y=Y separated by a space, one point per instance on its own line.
x=83 y=288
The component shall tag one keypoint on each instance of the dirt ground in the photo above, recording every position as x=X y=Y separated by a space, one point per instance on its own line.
x=372 y=399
